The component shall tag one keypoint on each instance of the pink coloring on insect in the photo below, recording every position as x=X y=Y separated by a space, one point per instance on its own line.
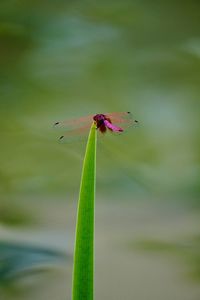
x=103 y=122
x=114 y=122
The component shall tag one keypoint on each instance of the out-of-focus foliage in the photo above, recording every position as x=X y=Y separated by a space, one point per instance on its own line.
x=14 y=214
x=19 y=261
x=187 y=251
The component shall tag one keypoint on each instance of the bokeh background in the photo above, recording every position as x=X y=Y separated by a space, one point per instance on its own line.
x=63 y=59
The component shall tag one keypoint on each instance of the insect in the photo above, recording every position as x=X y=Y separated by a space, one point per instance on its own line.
x=114 y=122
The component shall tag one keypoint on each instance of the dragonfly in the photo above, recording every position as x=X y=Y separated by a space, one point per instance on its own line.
x=116 y=122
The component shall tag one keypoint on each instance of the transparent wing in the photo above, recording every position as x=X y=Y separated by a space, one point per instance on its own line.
x=72 y=124
x=125 y=119
x=75 y=134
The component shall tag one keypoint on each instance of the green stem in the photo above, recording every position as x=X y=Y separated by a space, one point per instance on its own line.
x=83 y=272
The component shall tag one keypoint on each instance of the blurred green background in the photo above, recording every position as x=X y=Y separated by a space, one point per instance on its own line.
x=66 y=59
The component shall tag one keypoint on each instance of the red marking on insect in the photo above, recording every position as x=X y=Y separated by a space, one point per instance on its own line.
x=114 y=122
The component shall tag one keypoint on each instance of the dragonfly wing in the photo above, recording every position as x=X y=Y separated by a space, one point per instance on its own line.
x=75 y=134
x=125 y=119
x=72 y=124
